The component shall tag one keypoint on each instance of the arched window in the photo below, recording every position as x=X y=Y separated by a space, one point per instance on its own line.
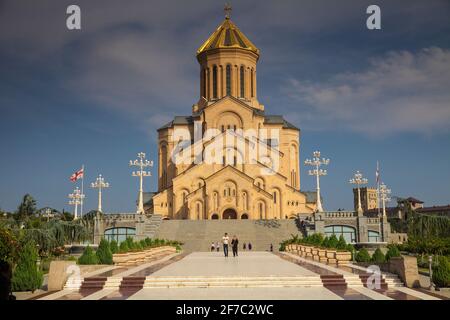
x=374 y=236
x=215 y=82
x=204 y=82
x=274 y=197
x=349 y=233
x=260 y=210
x=228 y=80
x=242 y=75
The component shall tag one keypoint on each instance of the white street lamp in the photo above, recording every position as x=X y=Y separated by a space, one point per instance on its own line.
x=141 y=164
x=48 y=214
x=358 y=180
x=316 y=162
x=100 y=184
x=76 y=198
x=385 y=197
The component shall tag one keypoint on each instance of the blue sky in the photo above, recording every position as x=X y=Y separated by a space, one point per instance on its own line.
x=97 y=96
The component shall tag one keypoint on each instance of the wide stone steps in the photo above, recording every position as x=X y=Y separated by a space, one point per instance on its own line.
x=197 y=235
x=205 y=282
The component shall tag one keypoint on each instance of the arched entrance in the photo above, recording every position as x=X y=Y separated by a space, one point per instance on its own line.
x=229 y=214
x=215 y=216
x=244 y=216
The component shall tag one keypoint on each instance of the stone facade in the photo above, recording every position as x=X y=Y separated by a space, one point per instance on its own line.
x=232 y=186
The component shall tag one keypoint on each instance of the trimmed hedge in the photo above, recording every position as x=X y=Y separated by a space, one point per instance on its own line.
x=114 y=247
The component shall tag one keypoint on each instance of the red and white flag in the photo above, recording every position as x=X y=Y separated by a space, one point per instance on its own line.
x=77 y=175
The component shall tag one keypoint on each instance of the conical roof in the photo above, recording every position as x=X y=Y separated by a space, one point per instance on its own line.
x=227 y=35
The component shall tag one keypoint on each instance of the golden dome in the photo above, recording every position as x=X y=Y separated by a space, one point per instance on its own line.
x=227 y=35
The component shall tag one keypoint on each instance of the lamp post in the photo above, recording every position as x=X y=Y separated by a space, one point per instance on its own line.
x=48 y=214
x=384 y=193
x=316 y=162
x=358 y=180
x=75 y=199
x=141 y=163
x=100 y=184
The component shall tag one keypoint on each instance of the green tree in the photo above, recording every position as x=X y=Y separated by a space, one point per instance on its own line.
x=392 y=252
x=27 y=276
x=123 y=248
x=103 y=253
x=113 y=246
x=363 y=255
x=332 y=242
x=441 y=273
x=27 y=208
x=88 y=257
x=378 y=256
x=341 y=244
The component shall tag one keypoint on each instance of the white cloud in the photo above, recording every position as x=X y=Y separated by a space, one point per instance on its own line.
x=400 y=92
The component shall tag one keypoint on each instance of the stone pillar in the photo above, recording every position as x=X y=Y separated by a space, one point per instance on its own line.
x=385 y=229
x=140 y=227
x=362 y=231
x=319 y=223
x=99 y=228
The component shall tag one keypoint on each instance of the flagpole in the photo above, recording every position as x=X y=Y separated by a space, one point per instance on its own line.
x=378 y=188
x=82 y=192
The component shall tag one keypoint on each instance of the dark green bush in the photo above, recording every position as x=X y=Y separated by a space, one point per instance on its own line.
x=123 y=248
x=104 y=254
x=441 y=273
x=27 y=276
x=378 y=256
x=363 y=255
x=325 y=242
x=392 y=252
x=114 y=247
x=341 y=244
x=332 y=242
x=88 y=257
x=148 y=241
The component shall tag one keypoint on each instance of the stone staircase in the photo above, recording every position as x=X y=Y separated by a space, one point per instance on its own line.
x=152 y=225
x=232 y=282
x=197 y=235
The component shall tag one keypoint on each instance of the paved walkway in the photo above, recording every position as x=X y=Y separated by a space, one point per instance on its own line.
x=251 y=275
x=248 y=264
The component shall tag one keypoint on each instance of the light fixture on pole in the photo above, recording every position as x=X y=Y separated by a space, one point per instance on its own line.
x=385 y=197
x=141 y=163
x=75 y=199
x=358 y=180
x=316 y=162
x=48 y=213
x=100 y=184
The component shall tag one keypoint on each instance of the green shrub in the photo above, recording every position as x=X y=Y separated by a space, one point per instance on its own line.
x=378 y=256
x=113 y=247
x=441 y=273
x=363 y=255
x=103 y=253
x=149 y=242
x=341 y=245
x=324 y=243
x=332 y=242
x=392 y=253
x=123 y=248
x=88 y=257
x=27 y=276
x=143 y=244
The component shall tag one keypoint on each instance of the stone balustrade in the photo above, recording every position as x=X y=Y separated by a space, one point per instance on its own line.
x=340 y=214
x=138 y=257
x=329 y=256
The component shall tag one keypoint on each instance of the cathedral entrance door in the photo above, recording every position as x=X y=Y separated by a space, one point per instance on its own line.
x=229 y=214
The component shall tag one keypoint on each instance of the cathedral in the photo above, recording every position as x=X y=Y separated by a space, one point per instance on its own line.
x=234 y=185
